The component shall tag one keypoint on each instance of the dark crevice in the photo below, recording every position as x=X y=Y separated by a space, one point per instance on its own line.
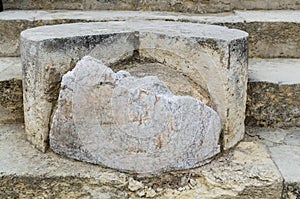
x=1 y=6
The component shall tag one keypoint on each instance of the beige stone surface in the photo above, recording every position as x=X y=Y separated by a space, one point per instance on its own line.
x=199 y=6
x=212 y=65
x=269 y=36
x=272 y=33
x=245 y=172
x=265 y=4
x=131 y=124
x=43 y=5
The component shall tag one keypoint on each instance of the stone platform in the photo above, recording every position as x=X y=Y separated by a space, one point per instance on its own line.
x=282 y=75
x=284 y=148
x=273 y=93
x=199 y=6
x=245 y=172
x=11 y=93
x=267 y=38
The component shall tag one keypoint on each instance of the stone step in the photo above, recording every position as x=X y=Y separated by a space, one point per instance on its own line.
x=284 y=148
x=11 y=100
x=272 y=33
x=199 y=6
x=273 y=93
x=247 y=171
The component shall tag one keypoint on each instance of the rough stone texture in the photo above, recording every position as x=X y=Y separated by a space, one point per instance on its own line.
x=213 y=57
x=131 y=124
x=272 y=33
x=198 y=6
x=265 y=4
x=11 y=98
x=273 y=93
x=246 y=172
x=284 y=147
x=43 y=5
x=178 y=83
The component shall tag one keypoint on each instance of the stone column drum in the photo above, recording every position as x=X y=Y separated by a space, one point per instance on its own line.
x=213 y=57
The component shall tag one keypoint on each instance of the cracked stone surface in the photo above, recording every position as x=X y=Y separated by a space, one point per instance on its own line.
x=131 y=124
x=284 y=148
x=213 y=57
x=246 y=172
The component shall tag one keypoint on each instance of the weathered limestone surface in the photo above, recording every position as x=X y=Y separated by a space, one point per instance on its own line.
x=178 y=83
x=265 y=4
x=213 y=57
x=272 y=33
x=284 y=147
x=11 y=98
x=246 y=172
x=273 y=93
x=131 y=124
x=199 y=6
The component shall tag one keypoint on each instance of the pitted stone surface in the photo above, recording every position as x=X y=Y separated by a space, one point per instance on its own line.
x=267 y=40
x=273 y=93
x=188 y=6
x=132 y=124
x=11 y=98
x=245 y=172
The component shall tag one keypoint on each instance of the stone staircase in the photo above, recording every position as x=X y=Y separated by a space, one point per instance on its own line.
x=264 y=165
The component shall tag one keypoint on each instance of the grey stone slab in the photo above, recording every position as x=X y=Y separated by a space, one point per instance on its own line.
x=131 y=124
x=285 y=151
x=290 y=16
x=10 y=67
x=54 y=50
x=246 y=172
x=278 y=71
x=284 y=148
x=287 y=158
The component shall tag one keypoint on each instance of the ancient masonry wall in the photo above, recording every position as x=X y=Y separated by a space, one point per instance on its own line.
x=188 y=6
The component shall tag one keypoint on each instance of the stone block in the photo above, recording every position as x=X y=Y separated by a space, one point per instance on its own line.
x=271 y=33
x=131 y=124
x=218 y=63
x=42 y=5
x=187 y=6
x=265 y=4
x=273 y=93
x=245 y=172
x=283 y=146
x=11 y=95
